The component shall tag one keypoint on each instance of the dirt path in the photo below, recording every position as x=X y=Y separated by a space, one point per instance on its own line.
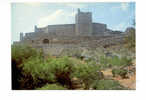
x=129 y=82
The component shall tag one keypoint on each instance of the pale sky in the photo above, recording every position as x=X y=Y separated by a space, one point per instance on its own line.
x=117 y=16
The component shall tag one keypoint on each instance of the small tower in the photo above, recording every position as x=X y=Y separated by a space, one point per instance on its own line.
x=78 y=10
x=35 y=28
x=21 y=36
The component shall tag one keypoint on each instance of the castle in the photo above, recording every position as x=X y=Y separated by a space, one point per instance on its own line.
x=80 y=34
x=83 y=26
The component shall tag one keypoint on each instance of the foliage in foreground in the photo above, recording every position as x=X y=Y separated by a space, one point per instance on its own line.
x=19 y=55
x=35 y=72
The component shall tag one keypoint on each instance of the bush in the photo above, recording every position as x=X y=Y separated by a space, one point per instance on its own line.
x=52 y=70
x=121 y=72
x=19 y=55
x=114 y=61
x=52 y=87
x=39 y=69
x=87 y=74
x=115 y=72
x=107 y=85
x=62 y=69
x=130 y=39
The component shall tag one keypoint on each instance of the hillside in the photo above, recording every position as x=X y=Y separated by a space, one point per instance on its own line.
x=95 y=63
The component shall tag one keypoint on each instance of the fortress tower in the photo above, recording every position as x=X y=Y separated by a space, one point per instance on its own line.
x=83 y=23
x=21 y=36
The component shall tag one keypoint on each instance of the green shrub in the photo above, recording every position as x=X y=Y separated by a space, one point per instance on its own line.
x=103 y=62
x=20 y=54
x=130 y=39
x=61 y=70
x=51 y=70
x=107 y=85
x=126 y=61
x=121 y=72
x=37 y=71
x=115 y=72
x=114 y=61
x=87 y=74
x=52 y=87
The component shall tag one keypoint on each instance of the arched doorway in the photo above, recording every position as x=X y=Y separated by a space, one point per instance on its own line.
x=45 y=41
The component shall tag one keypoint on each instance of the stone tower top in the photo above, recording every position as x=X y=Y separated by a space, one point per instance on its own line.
x=35 y=28
x=21 y=36
x=78 y=10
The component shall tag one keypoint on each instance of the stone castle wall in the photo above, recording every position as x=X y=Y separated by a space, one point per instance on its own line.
x=56 y=44
x=99 y=28
x=65 y=29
